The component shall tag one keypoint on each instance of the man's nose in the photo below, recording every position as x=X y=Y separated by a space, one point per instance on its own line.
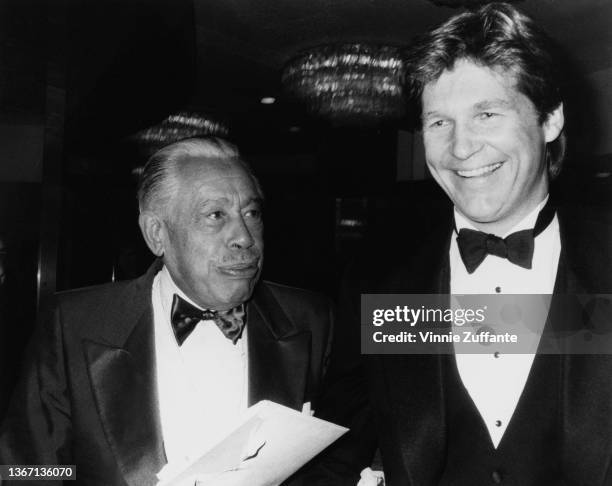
x=465 y=142
x=240 y=236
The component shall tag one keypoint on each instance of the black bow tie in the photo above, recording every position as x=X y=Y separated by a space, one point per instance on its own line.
x=474 y=246
x=184 y=318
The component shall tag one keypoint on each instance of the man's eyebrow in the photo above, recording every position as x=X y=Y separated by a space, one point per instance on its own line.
x=494 y=103
x=253 y=200
x=429 y=114
x=207 y=202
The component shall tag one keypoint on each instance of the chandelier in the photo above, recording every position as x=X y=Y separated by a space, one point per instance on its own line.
x=348 y=83
x=465 y=3
x=179 y=126
x=174 y=128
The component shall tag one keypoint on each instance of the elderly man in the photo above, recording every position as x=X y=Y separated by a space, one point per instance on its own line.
x=127 y=377
x=492 y=124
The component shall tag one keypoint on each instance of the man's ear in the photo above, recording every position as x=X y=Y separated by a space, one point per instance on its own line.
x=152 y=228
x=554 y=123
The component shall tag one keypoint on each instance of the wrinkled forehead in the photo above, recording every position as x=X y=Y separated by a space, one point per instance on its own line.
x=213 y=173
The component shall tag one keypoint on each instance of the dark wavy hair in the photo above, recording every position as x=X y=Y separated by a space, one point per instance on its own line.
x=496 y=35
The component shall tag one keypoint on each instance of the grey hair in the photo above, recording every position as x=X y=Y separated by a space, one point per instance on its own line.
x=157 y=183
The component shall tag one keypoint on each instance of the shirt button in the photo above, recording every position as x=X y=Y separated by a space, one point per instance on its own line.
x=498 y=423
x=497 y=477
x=498 y=289
x=496 y=354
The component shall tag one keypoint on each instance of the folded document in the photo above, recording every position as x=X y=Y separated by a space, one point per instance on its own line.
x=271 y=443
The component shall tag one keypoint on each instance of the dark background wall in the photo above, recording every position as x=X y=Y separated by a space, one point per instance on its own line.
x=22 y=124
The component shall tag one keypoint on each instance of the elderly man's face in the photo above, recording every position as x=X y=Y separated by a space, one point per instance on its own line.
x=485 y=146
x=213 y=244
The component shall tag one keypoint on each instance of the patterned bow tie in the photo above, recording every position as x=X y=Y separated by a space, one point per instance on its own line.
x=184 y=318
x=474 y=246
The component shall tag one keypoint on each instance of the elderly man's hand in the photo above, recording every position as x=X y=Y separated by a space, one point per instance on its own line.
x=371 y=478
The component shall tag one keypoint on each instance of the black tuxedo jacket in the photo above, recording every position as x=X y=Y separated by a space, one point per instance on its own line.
x=88 y=395
x=397 y=402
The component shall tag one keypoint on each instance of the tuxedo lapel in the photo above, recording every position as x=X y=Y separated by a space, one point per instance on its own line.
x=412 y=399
x=569 y=279
x=587 y=394
x=122 y=375
x=410 y=396
x=585 y=244
x=279 y=354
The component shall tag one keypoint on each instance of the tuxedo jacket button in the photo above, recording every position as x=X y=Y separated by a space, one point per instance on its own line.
x=497 y=477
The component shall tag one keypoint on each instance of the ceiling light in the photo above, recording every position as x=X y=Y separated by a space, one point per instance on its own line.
x=179 y=126
x=348 y=83
x=465 y=3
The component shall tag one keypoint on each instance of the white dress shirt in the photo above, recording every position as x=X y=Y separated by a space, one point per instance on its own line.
x=494 y=381
x=202 y=385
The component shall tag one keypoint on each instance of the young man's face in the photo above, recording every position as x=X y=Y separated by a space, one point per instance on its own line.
x=485 y=145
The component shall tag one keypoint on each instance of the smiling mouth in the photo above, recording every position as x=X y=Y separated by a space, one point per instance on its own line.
x=481 y=171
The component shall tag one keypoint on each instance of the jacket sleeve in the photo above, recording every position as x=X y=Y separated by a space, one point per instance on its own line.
x=36 y=429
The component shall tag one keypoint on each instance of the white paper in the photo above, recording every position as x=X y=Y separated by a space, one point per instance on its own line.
x=270 y=444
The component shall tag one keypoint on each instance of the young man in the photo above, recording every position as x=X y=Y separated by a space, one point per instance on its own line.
x=492 y=121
